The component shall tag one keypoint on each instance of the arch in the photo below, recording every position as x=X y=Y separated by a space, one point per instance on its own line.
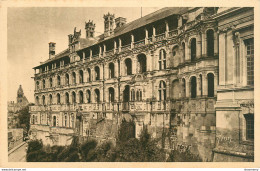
x=210 y=42
x=88 y=95
x=58 y=80
x=193 y=87
x=81 y=100
x=73 y=78
x=183 y=87
x=37 y=100
x=97 y=73
x=210 y=78
x=74 y=97
x=97 y=95
x=67 y=98
x=50 y=82
x=162 y=91
x=43 y=83
x=193 y=49
x=67 y=79
x=81 y=76
x=162 y=59
x=54 y=121
x=89 y=74
x=50 y=99
x=128 y=64
x=142 y=63
x=43 y=100
x=126 y=92
x=111 y=94
x=175 y=89
x=58 y=98
x=111 y=70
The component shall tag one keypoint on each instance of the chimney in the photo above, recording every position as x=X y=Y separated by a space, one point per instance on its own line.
x=51 y=49
x=109 y=24
x=120 y=21
x=90 y=29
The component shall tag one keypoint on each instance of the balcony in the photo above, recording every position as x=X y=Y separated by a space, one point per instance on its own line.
x=173 y=33
x=160 y=37
x=139 y=43
x=110 y=52
x=126 y=47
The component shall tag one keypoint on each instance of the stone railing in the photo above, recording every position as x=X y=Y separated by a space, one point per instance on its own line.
x=139 y=43
x=126 y=47
x=110 y=52
x=173 y=33
x=160 y=37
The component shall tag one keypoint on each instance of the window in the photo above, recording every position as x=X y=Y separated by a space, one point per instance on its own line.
x=183 y=51
x=132 y=95
x=81 y=76
x=193 y=87
x=58 y=98
x=67 y=78
x=33 y=119
x=142 y=63
x=111 y=70
x=50 y=99
x=111 y=94
x=97 y=95
x=65 y=120
x=37 y=100
x=37 y=85
x=89 y=75
x=210 y=85
x=73 y=78
x=193 y=50
x=58 y=81
x=183 y=88
x=97 y=72
x=249 y=126
x=43 y=83
x=128 y=64
x=250 y=60
x=50 y=82
x=162 y=59
x=88 y=96
x=73 y=97
x=81 y=97
x=67 y=99
x=210 y=43
x=43 y=100
x=162 y=91
x=54 y=121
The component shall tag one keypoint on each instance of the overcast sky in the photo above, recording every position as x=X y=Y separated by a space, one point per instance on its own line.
x=31 y=29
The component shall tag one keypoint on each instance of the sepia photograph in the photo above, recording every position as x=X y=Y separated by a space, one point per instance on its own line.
x=130 y=84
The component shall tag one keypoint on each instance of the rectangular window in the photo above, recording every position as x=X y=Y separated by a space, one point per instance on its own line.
x=250 y=60
x=249 y=126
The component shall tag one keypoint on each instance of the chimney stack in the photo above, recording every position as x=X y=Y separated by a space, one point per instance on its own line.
x=90 y=29
x=109 y=24
x=120 y=21
x=51 y=49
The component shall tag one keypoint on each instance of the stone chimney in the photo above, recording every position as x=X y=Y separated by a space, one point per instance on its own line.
x=109 y=24
x=90 y=29
x=120 y=21
x=51 y=49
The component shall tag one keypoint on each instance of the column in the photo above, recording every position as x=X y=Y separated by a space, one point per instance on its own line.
x=120 y=44
x=90 y=54
x=100 y=51
x=187 y=82
x=167 y=28
x=132 y=41
x=104 y=52
x=134 y=66
x=106 y=72
x=154 y=34
x=204 y=85
x=146 y=36
x=203 y=45
x=83 y=54
x=116 y=69
x=215 y=43
x=198 y=86
x=187 y=51
x=215 y=83
x=198 y=46
x=114 y=46
x=222 y=56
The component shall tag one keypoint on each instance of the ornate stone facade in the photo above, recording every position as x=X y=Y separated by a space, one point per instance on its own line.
x=162 y=71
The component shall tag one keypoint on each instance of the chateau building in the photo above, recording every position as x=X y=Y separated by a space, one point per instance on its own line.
x=186 y=74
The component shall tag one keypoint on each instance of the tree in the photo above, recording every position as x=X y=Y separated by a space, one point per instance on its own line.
x=24 y=118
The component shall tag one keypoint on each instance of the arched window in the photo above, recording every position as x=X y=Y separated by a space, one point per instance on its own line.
x=162 y=91
x=193 y=87
x=141 y=96
x=58 y=80
x=58 y=98
x=67 y=98
x=111 y=70
x=128 y=64
x=111 y=94
x=43 y=83
x=37 y=85
x=97 y=72
x=50 y=99
x=81 y=97
x=210 y=77
x=210 y=43
x=37 y=100
x=201 y=86
x=97 y=95
x=88 y=94
x=183 y=87
x=73 y=97
x=50 y=82
x=132 y=95
x=43 y=100
x=193 y=49
x=142 y=63
x=162 y=59
x=81 y=76
x=183 y=51
x=89 y=75
x=54 y=121
x=73 y=78
x=67 y=79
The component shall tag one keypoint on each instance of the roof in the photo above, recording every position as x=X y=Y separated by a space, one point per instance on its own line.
x=148 y=19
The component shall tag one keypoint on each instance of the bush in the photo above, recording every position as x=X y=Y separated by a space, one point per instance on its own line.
x=187 y=156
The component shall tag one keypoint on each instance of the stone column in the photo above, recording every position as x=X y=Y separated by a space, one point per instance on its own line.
x=134 y=65
x=167 y=29
x=104 y=52
x=154 y=34
x=83 y=54
x=115 y=46
x=215 y=43
x=116 y=69
x=215 y=83
x=120 y=44
x=100 y=51
x=106 y=72
x=198 y=46
x=90 y=54
x=203 y=41
x=187 y=51
x=132 y=41
x=187 y=86
x=146 y=36
x=204 y=84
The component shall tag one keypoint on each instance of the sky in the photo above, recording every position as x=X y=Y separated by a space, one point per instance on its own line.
x=30 y=29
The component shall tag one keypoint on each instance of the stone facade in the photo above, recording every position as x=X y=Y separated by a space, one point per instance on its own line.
x=163 y=74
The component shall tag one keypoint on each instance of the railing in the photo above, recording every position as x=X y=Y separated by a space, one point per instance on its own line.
x=94 y=56
x=173 y=33
x=126 y=47
x=110 y=52
x=139 y=43
x=160 y=37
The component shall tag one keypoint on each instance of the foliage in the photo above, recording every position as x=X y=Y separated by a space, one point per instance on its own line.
x=186 y=156
x=24 y=118
x=126 y=131
x=88 y=150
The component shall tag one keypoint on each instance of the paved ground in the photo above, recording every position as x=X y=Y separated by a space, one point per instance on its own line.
x=19 y=155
